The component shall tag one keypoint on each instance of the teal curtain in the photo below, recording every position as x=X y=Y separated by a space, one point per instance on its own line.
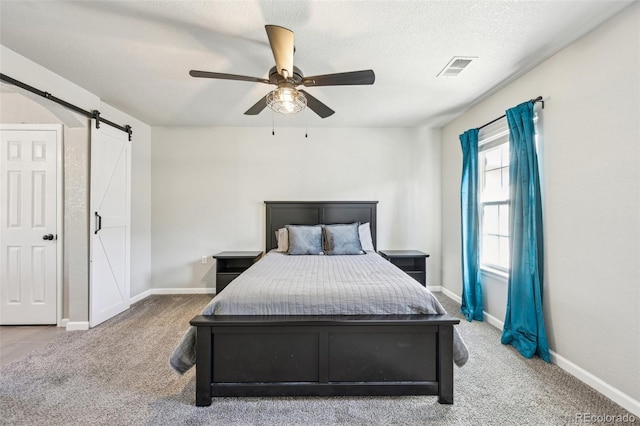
x=471 y=287
x=524 y=321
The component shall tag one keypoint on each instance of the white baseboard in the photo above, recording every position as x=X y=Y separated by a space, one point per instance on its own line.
x=617 y=396
x=596 y=383
x=77 y=325
x=493 y=320
x=433 y=288
x=199 y=290
x=451 y=295
x=487 y=317
x=139 y=297
x=192 y=290
x=84 y=325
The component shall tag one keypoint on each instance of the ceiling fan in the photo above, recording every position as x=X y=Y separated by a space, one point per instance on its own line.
x=286 y=99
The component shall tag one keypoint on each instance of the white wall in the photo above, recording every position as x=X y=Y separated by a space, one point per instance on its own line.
x=210 y=184
x=17 y=105
x=591 y=187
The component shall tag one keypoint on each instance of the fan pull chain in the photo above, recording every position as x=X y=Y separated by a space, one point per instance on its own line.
x=306 y=123
x=273 y=124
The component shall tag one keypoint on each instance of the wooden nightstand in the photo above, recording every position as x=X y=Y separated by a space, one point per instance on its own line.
x=230 y=264
x=413 y=262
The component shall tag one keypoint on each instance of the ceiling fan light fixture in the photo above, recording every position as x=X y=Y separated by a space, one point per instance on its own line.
x=286 y=100
x=286 y=76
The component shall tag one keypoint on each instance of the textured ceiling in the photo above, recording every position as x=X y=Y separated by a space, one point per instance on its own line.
x=136 y=55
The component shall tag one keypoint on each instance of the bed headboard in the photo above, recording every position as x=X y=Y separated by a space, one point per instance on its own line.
x=281 y=213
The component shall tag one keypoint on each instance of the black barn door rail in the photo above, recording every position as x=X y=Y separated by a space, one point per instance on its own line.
x=91 y=114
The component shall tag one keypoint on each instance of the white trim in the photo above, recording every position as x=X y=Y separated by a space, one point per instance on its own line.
x=451 y=295
x=596 y=383
x=139 y=297
x=60 y=224
x=493 y=134
x=494 y=272
x=433 y=288
x=191 y=290
x=84 y=325
x=194 y=290
x=63 y=322
x=493 y=320
x=488 y=317
x=579 y=373
x=77 y=325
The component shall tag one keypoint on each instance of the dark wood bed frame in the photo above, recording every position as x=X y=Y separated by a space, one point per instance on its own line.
x=323 y=355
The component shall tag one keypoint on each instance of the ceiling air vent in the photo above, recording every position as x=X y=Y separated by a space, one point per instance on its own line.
x=456 y=66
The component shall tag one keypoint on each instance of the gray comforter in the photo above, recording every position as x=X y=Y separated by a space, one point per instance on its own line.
x=280 y=284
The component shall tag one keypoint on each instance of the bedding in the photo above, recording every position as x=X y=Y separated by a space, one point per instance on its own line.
x=341 y=239
x=282 y=237
x=364 y=232
x=279 y=284
x=365 y=237
x=304 y=239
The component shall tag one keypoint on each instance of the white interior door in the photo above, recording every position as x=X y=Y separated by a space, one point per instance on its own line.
x=29 y=273
x=111 y=219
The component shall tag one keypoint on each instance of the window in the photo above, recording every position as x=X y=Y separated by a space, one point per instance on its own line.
x=493 y=164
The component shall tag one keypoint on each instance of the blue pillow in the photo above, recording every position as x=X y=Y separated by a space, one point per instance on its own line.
x=341 y=239
x=304 y=239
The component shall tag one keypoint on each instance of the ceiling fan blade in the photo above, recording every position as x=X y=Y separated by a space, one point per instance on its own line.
x=316 y=106
x=281 y=41
x=258 y=107
x=341 y=79
x=222 y=76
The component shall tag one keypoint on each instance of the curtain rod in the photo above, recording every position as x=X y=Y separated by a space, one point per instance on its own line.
x=533 y=101
x=91 y=114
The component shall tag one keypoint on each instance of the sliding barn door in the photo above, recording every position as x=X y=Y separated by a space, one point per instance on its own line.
x=110 y=219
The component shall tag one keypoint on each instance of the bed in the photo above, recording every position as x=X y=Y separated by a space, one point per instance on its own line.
x=322 y=338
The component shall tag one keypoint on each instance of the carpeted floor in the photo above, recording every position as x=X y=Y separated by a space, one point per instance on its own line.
x=117 y=374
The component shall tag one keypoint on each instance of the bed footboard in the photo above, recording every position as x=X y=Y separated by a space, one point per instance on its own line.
x=324 y=355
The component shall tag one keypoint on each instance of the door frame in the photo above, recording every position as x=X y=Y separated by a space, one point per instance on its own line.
x=58 y=128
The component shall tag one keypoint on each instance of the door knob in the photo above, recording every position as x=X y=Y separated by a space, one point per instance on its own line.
x=48 y=237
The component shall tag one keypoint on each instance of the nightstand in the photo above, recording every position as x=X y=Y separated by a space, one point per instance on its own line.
x=230 y=264
x=413 y=262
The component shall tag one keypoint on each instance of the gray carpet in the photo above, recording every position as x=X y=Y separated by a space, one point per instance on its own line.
x=117 y=374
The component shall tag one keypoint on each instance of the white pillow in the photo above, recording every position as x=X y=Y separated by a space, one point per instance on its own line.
x=282 y=235
x=364 y=231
